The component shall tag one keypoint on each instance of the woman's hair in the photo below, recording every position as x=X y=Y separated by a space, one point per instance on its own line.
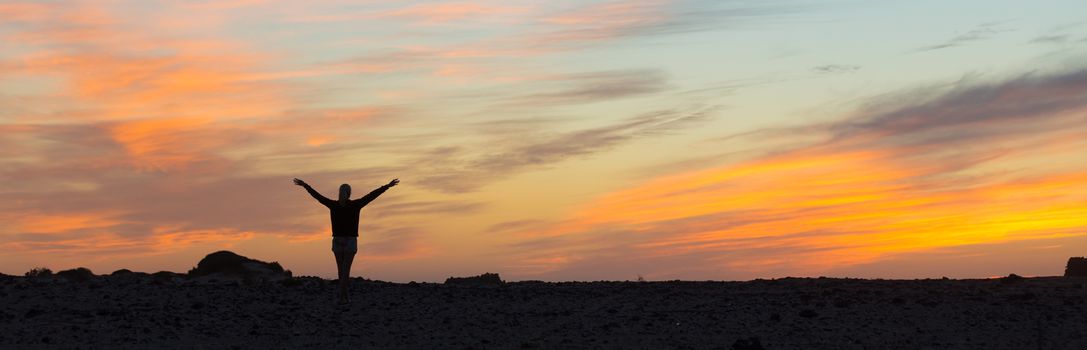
x=345 y=192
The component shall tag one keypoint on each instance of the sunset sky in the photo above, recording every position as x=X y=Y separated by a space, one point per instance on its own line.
x=552 y=140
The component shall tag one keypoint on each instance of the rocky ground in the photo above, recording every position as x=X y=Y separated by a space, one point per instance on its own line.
x=144 y=311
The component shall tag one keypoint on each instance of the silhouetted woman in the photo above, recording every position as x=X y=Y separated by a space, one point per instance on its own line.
x=345 y=226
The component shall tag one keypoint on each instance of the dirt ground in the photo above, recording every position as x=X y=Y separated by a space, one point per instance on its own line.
x=1031 y=313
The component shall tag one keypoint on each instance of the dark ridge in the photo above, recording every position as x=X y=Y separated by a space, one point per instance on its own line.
x=79 y=274
x=121 y=272
x=486 y=279
x=1077 y=267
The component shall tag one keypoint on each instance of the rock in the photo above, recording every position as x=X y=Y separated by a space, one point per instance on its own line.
x=1077 y=267
x=486 y=279
x=167 y=277
x=79 y=274
x=808 y=313
x=230 y=266
x=1011 y=278
x=126 y=276
x=752 y=343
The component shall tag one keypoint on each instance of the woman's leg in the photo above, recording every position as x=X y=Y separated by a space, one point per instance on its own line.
x=341 y=272
x=348 y=258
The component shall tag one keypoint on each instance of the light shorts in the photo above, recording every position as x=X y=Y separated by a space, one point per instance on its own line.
x=345 y=244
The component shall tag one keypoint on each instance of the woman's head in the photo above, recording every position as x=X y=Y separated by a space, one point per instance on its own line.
x=345 y=193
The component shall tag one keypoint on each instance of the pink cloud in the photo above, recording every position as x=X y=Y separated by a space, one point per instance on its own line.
x=447 y=12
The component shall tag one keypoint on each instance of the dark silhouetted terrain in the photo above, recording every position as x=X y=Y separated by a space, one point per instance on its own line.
x=1077 y=267
x=228 y=265
x=176 y=311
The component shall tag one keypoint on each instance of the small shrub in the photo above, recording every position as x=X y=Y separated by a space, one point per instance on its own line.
x=486 y=279
x=39 y=272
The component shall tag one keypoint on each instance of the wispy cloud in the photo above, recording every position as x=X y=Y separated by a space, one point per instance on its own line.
x=902 y=177
x=619 y=19
x=597 y=86
x=978 y=33
x=541 y=31
x=133 y=129
x=436 y=13
x=455 y=171
x=159 y=97
x=445 y=12
x=394 y=244
x=1050 y=39
x=426 y=208
x=145 y=138
x=836 y=68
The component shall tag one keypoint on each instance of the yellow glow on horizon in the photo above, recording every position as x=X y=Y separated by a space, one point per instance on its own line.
x=835 y=209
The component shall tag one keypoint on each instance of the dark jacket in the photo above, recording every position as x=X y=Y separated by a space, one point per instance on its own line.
x=345 y=218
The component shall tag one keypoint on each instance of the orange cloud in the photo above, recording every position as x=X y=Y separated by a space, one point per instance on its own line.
x=164 y=144
x=915 y=179
x=440 y=13
x=317 y=141
x=164 y=99
x=106 y=245
x=598 y=22
x=828 y=210
x=167 y=239
x=24 y=12
x=426 y=13
x=41 y=223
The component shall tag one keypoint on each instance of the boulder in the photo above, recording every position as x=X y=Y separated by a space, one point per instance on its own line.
x=486 y=279
x=126 y=276
x=167 y=277
x=1011 y=278
x=1077 y=267
x=79 y=274
x=230 y=266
